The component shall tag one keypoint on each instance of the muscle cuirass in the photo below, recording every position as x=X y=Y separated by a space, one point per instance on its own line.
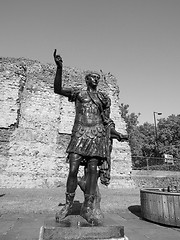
x=87 y=112
x=88 y=134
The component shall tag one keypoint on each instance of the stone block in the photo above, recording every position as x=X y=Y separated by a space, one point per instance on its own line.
x=75 y=227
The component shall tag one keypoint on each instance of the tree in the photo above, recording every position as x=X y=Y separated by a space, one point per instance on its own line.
x=148 y=140
x=169 y=135
x=132 y=130
x=142 y=137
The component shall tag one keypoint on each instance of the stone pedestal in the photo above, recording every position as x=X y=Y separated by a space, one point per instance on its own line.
x=75 y=227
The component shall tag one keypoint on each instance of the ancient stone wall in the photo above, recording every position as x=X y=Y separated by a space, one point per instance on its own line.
x=35 y=125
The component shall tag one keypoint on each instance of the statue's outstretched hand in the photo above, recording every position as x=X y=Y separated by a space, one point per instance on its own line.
x=120 y=137
x=58 y=59
x=123 y=137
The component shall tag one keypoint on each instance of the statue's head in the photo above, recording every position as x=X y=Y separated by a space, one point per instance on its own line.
x=92 y=79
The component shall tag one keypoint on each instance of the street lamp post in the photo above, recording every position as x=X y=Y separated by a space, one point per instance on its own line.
x=155 y=127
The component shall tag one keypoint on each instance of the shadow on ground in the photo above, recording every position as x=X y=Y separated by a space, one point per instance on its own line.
x=136 y=210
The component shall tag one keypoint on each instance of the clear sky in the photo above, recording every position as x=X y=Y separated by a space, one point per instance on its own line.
x=138 y=41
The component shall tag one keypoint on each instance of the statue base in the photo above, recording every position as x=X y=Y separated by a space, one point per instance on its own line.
x=75 y=227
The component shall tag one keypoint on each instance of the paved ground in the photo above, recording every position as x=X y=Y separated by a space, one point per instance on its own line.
x=23 y=212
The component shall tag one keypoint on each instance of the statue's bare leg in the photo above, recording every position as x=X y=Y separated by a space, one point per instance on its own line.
x=88 y=207
x=74 y=162
x=96 y=204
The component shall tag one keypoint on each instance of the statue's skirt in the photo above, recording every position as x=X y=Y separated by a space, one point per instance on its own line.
x=89 y=141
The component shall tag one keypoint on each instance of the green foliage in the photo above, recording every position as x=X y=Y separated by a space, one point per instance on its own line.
x=148 y=140
x=142 y=137
x=131 y=120
x=169 y=135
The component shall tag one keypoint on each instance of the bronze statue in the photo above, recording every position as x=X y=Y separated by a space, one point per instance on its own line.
x=90 y=144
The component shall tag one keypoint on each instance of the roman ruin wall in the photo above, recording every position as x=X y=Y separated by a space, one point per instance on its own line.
x=36 y=123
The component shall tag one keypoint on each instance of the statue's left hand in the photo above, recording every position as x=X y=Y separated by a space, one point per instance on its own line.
x=121 y=138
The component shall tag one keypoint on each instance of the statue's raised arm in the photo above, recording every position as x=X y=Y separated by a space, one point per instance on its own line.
x=58 y=78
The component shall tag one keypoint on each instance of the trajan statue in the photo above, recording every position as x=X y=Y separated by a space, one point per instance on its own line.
x=90 y=145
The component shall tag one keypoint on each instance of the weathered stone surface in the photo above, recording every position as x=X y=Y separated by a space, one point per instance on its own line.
x=75 y=227
x=35 y=125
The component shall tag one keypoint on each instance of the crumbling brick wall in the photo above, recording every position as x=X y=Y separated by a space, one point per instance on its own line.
x=35 y=125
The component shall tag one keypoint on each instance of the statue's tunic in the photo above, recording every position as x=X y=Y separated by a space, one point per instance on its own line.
x=89 y=137
x=91 y=131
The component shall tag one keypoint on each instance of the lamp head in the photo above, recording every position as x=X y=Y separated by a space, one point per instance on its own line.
x=158 y=113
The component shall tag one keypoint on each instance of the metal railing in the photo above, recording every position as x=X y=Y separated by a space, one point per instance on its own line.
x=155 y=163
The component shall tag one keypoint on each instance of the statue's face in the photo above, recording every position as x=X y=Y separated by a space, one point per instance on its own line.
x=92 y=80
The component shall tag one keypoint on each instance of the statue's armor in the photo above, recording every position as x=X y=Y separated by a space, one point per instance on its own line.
x=87 y=113
x=88 y=134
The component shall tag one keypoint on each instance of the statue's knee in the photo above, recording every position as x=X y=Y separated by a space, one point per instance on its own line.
x=75 y=160
x=73 y=172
